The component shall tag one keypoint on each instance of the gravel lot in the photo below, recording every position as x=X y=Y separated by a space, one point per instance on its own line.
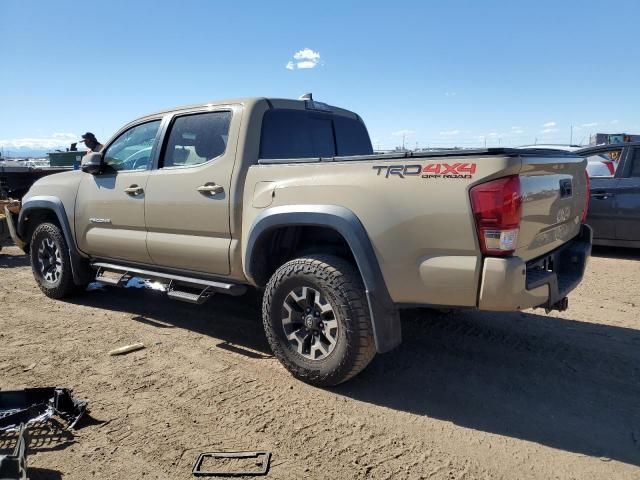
x=468 y=395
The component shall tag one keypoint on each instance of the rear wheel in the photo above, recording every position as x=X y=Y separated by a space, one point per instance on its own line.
x=50 y=261
x=317 y=319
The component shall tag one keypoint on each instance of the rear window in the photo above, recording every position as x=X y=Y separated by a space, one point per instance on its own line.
x=307 y=134
x=352 y=137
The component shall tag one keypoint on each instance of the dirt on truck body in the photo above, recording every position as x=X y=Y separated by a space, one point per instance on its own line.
x=287 y=196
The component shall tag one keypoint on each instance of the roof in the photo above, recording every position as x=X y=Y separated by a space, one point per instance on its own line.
x=213 y=103
x=247 y=101
x=606 y=146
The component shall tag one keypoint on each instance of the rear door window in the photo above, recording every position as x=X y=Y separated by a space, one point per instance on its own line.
x=196 y=139
x=605 y=163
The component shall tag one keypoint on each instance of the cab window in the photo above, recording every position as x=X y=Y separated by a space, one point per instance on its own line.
x=311 y=134
x=132 y=150
x=604 y=164
x=196 y=139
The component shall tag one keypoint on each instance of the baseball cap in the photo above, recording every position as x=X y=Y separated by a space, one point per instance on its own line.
x=88 y=136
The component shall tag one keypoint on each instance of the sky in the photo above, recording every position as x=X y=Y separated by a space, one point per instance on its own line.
x=434 y=73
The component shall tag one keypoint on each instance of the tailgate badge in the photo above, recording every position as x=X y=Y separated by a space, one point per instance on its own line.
x=563 y=214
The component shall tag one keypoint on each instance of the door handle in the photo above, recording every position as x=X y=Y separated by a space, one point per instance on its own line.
x=211 y=188
x=134 y=190
x=602 y=195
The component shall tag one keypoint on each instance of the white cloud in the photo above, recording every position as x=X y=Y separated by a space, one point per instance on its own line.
x=587 y=125
x=613 y=122
x=304 y=59
x=549 y=130
x=307 y=54
x=492 y=134
x=56 y=140
x=450 y=132
x=401 y=133
x=517 y=130
x=450 y=94
x=549 y=124
x=306 y=64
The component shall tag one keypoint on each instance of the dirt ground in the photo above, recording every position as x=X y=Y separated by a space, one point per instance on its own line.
x=468 y=395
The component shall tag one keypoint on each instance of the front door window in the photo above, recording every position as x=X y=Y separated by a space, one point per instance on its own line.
x=132 y=149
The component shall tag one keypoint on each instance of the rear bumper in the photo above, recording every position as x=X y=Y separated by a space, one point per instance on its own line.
x=512 y=284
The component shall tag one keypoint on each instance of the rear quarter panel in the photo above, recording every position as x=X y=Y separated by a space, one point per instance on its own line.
x=422 y=229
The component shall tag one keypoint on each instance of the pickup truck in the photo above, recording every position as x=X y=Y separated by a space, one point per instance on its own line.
x=287 y=196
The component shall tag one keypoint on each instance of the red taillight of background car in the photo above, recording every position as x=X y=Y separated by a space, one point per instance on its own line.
x=610 y=166
x=587 y=196
x=497 y=208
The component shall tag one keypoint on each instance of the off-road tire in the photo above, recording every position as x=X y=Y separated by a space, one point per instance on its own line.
x=63 y=285
x=340 y=283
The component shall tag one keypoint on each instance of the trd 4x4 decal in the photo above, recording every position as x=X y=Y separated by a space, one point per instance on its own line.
x=430 y=170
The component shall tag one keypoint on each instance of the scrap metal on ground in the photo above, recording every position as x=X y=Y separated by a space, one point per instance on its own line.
x=7 y=207
x=14 y=465
x=21 y=409
x=261 y=459
x=33 y=405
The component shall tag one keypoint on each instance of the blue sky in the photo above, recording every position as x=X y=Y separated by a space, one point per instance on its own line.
x=444 y=73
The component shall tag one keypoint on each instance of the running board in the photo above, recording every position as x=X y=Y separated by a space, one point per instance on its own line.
x=207 y=287
x=196 y=298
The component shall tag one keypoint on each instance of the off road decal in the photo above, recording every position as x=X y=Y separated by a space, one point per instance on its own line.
x=430 y=170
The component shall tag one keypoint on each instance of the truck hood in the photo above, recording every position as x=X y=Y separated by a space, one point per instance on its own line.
x=63 y=186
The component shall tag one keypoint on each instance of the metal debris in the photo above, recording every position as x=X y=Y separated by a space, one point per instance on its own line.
x=262 y=462
x=33 y=405
x=14 y=466
x=127 y=349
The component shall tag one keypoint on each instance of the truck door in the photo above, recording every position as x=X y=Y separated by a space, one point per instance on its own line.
x=602 y=205
x=109 y=212
x=628 y=199
x=187 y=196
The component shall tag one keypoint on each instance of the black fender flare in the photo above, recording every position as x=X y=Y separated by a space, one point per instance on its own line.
x=384 y=314
x=79 y=265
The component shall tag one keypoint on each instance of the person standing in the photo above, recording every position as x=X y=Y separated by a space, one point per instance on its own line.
x=91 y=142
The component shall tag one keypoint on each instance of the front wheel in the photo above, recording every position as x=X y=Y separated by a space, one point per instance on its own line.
x=317 y=319
x=50 y=261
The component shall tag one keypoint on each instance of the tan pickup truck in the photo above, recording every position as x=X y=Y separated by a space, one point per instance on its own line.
x=288 y=196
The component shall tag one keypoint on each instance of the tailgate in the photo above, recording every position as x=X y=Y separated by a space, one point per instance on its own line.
x=554 y=190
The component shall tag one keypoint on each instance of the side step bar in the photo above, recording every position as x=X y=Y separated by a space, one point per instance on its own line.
x=174 y=282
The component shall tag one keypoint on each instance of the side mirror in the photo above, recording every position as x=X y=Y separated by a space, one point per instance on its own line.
x=92 y=163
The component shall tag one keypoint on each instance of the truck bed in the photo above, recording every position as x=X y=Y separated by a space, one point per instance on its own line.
x=481 y=152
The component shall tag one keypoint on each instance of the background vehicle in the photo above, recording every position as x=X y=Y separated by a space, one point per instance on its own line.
x=286 y=195
x=614 y=209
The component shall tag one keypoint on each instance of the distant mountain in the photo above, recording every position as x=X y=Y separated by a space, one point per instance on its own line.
x=27 y=152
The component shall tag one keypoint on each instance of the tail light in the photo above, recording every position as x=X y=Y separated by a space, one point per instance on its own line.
x=610 y=166
x=497 y=208
x=587 y=197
